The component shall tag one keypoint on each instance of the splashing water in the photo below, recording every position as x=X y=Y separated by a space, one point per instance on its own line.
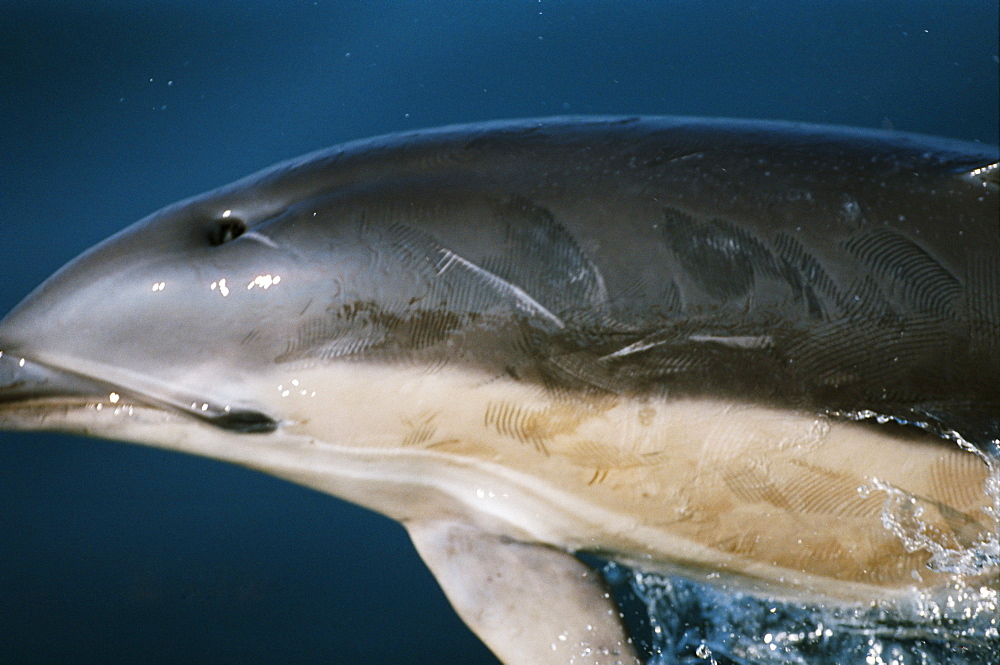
x=902 y=516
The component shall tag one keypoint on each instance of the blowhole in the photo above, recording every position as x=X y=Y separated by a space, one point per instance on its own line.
x=225 y=229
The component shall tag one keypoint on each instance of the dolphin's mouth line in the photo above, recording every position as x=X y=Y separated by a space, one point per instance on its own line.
x=25 y=381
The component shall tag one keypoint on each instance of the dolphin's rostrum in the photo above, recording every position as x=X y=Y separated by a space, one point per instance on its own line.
x=761 y=353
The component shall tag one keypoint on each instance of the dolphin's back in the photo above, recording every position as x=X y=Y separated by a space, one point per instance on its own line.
x=855 y=273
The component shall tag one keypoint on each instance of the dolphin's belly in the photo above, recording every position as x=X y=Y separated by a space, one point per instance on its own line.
x=789 y=498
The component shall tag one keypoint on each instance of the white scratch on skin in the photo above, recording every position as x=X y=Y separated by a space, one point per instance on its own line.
x=737 y=342
x=744 y=342
x=261 y=238
x=634 y=347
x=450 y=259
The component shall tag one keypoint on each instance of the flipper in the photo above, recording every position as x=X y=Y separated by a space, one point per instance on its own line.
x=530 y=603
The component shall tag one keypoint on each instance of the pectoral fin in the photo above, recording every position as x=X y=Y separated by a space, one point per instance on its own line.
x=531 y=604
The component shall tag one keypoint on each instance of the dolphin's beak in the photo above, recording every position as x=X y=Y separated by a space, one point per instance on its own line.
x=32 y=391
x=24 y=380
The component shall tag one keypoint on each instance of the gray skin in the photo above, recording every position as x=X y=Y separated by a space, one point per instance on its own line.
x=849 y=275
x=853 y=273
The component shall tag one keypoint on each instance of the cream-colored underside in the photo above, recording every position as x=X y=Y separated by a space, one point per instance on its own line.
x=783 y=501
x=781 y=497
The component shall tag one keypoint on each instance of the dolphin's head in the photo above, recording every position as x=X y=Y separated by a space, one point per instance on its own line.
x=186 y=309
x=161 y=313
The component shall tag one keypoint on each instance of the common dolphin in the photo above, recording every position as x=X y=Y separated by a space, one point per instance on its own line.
x=760 y=354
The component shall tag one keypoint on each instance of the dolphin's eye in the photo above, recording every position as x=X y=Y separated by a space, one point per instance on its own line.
x=225 y=229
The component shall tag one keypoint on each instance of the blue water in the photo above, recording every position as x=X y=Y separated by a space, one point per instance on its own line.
x=111 y=109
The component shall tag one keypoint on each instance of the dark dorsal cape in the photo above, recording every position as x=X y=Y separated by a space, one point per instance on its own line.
x=855 y=273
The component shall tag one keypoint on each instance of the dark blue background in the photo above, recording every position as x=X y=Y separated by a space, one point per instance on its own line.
x=109 y=110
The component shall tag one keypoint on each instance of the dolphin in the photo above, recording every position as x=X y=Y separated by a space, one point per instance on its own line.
x=765 y=355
